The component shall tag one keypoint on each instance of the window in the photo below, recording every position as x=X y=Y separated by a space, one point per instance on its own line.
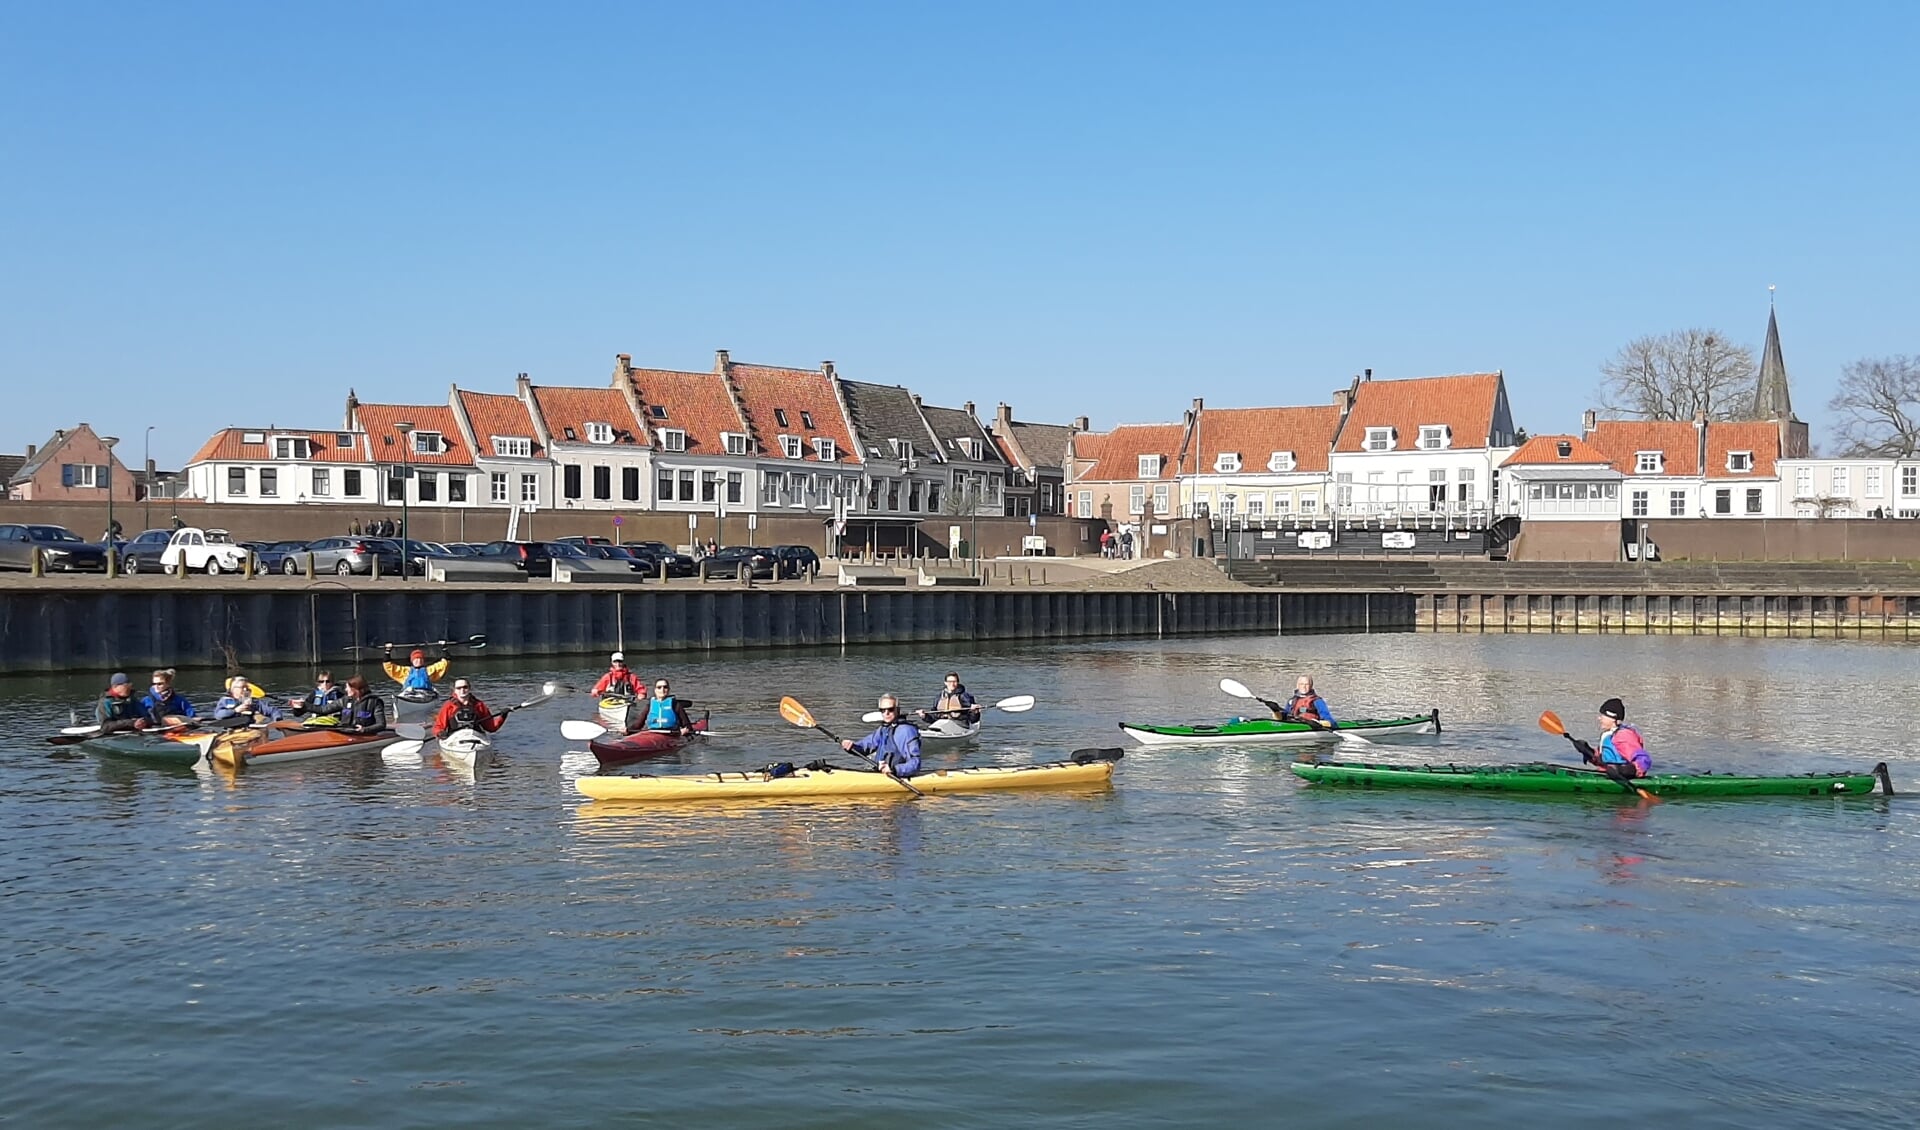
x=735 y=481
x=529 y=490
x=1676 y=504
x=913 y=495
x=343 y=439
x=1149 y=467
x=1136 y=499
x=735 y=443
x=290 y=447
x=1648 y=462
x=570 y=481
x=322 y=482
x=1280 y=461
x=824 y=450
x=603 y=483
x=709 y=486
x=1740 y=462
x=933 y=495
x=1227 y=462
x=771 y=484
x=396 y=484
x=253 y=437
x=1162 y=494
x=1753 y=500
x=1309 y=502
x=350 y=483
x=673 y=439
x=513 y=447
x=1435 y=436
x=1084 y=507
x=1639 y=501
x=1380 y=439
x=790 y=446
x=1875 y=488
x=1343 y=490
x=426 y=443
x=1842 y=483
x=497 y=487
x=993 y=490
x=893 y=494
x=1803 y=482
x=456 y=487
x=569 y=432
x=81 y=475
x=1282 y=503
x=427 y=486
x=236 y=481
x=686 y=486
x=269 y=483
x=1723 y=501
x=630 y=484
x=599 y=431
x=806 y=420
x=780 y=416
x=657 y=411
x=873 y=494
x=663 y=490
x=1256 y=506
x=1909 y=482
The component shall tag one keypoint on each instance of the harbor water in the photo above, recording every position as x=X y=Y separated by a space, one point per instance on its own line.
x=375 y=942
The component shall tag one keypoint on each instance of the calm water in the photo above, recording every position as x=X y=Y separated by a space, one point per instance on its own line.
x=361 y=943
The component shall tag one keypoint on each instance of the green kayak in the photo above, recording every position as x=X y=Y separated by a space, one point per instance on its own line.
x=1251 y=731
x=167 y=749
x=1547 y=778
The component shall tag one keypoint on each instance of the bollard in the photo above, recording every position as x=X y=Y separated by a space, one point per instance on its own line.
x=373 y=569
x=310 y=565
x=38 y=564
x=703 y=570
x=246 y=566
x=663 y=570
x=113 y=563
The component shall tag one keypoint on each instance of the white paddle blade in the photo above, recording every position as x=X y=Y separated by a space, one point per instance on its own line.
x=1015 y=705
x=575 y=730
x=415 y=732
x=1236 y=688
x=79 y=731
x=402 y=753
x=872 y=716
x=1351 y=738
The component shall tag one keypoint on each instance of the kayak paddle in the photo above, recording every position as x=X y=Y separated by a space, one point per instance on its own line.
x=792 y=711
x=1238 y=689
x=1018 y=704
x=580 y=730
x=1550 y=722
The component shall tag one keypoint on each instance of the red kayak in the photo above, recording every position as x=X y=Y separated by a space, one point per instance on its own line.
x=640 y=745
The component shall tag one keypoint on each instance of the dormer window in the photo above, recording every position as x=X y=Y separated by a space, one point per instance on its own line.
x=1563 y=449
x=343 y=439
x=292 y=447
x=253 y=437
x=969 y=447
x=901 y=448
x=426 y=443
x=1381 y=439
x=806 y=420
x=780 y=416
x=824 y=450
x=1740 y=462
x=1149 y=466
x=1280 y=461
x=1435 y=436
x=673 y=439
x=1227 y=462
x=1648 y=462
x=735 y=442
x=790 y=446
x=657 y=411
x=512 y=447
x=599 y=432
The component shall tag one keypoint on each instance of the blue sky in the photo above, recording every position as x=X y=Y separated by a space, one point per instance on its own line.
x=229 y=214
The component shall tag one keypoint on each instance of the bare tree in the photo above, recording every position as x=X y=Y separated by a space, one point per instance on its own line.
x=1672 y=376
x=1878 y=405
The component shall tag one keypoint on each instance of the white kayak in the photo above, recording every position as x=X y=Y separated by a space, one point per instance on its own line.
x=949 y=730
x=613 y=711
x=466 y=748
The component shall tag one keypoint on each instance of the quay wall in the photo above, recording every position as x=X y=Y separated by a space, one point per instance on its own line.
x=1797 y=614
x=230 y=625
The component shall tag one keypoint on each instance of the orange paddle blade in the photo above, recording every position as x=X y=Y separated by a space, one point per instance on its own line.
x=792 y=711
x=1550 y=722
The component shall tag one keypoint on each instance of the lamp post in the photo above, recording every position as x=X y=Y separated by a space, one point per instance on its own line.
x=108 y=442
x=405 y=428
x=146 y=468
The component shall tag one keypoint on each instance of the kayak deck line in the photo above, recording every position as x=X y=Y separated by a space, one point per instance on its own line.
x=1548 y=777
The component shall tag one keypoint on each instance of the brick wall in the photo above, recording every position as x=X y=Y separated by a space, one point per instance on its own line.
x=1785 y=539
x=82 y=446
x=1566 y=541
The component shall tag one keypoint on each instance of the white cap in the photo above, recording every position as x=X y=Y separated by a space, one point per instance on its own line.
x=619 y=657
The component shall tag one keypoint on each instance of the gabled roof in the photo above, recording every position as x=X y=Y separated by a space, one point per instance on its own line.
x=1044 y=444
x=570 y=410
x=30 y=465
x=883 y=413
x=1255 y=434
x=952 y=424
x=385 y=441
x=492 y=414
x=10 y=465
x=1621 y=441
x=1761 y=437
x=768 y=392
x=1544 y=451
x=1115 y=455
x=1472 y=404
x=695 y=403
x=228 y=445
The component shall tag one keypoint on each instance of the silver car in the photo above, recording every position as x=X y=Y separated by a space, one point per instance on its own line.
x=346 y=555
x=59 y=549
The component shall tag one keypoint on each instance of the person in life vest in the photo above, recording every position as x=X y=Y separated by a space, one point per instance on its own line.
x=894 y=748
x=465 y=711
x=240 y=700
x=360 y=712
x=954 y=702
x=665 y=712
x=1306 y=706
x=418 y=675
x=619 y=679
x=117 y=712
x=324 y=700
x=1622 y=752
x=163 y=702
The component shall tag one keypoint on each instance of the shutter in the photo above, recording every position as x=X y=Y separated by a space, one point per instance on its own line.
x=66 y=474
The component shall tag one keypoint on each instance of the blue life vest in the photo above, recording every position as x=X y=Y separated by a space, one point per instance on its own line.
x=417 y=679
x=663 y=714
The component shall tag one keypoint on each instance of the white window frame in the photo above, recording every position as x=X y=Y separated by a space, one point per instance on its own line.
x=1226 y=463
x=1875 y=485
x=1435 y=437
x=673 y=439
x=1640 y=503
x=512 y=447
x=1676 y=504
x=530 y=489
x=1649 y=462
x=791 y=447
x=1381 y=439
x=497 y=486
x=824 y=450
x=1281 y=461
x=734 y=443
x=1148 y=467
x=1910 y=482
x=255 y=438
x=1740 y=462
x=322 y=482
x=1309 y=502
x=599 y=431
x=1137 y=498
x=1803 y=482
x=292 y=447
x=1840 y=484
x=427 y=443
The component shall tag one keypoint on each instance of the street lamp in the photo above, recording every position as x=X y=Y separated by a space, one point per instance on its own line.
x=108 y=442
x=146 y=468
x=405 y=428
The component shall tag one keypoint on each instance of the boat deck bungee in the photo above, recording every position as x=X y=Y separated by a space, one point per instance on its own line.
x=850 y=782
x=1546 y=777
x=1255 y=731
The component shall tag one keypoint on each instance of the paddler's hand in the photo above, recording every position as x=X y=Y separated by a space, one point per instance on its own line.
x=887 y=768
x=140 y=724
x=846 y=744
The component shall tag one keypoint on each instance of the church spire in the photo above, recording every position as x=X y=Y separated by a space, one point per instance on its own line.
x=1771 y=400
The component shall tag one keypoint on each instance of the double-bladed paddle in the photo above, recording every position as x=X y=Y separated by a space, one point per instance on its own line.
x=1018 y=704
x=415 y=733
x=792 y=711
x=1238 y=689
x=1550 y=722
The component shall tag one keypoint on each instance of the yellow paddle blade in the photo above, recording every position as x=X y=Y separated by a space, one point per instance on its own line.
x=254 y=690
x=792 y=711
x=1550 y=722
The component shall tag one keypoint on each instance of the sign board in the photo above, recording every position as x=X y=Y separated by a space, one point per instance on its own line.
x=616 y=519
x=1315 y=539
x=1159 y=529
x=1397 y=539
x=1033 y=521
x=693 y=521
x=1038 y=544
x=753 y=521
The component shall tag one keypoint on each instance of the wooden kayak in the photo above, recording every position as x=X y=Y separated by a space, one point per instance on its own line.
x=1261 y=731
x=640 y=745
x=1090 y=767
x=1551 y=778
x=253 y=748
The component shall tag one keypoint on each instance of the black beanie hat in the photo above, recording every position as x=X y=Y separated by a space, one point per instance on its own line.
x=1614 y=709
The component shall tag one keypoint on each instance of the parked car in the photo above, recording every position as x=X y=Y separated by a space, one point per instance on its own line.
x=193 y=549
x=678 y=564
x=348 y=554
x=796 y=560
x=463 y=549
x=277 y=556
x=59 y=549
x=533 y=557
x=584 y=540
x=624 y=554
x=757 y=561
x=419 y=551
x=142 y=554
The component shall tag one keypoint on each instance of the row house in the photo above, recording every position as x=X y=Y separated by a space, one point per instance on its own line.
x=1698 y=468
x=422 y=455
x=275 y=466
x=1427 y=445
x=805 y=459
x=1036 y=459
x=1126 y=475
x=1256 y=465
x=74 y=465
x=509 y=450
x=1562 y=478
x=976 y=470
x=1870 y=487
x=598 y=449
x=905 y=479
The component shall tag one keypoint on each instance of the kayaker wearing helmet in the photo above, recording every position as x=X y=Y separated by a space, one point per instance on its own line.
x=953 y=702
x=619 y=679
x=895 y=746
x=464 y=711
x=117 y=712
x=665 y=712
x=418 y=675
x=1622 y=752
x=240 y=700
x=1306 y=706
x=324 y=700
x=162 y=701
x=360 y=712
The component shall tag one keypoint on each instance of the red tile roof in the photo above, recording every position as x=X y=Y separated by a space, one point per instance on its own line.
x=385 y=440
x=1545 y=451
x=1115 y=455
x=1255 y=434
x=226 y=446
x=1466 y=403
x=564 y=408
x=1761 y=437
x=1621 y=441
x=696 y=403
x=764 y=388
x=494 y=415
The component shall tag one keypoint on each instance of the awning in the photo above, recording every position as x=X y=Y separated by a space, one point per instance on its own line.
x=1548 y=474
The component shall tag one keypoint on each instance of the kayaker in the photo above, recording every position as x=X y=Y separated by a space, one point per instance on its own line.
x=417 y=675
x=117 y=712
x=464 y=711
x=1306 y=705
x=665 y=712
x=1622 y=752
x=325 y=699
x=619 y=679
x=360 y=712
x=240 y=700
x=953 y=702
x=895 y=747
x=162 y=702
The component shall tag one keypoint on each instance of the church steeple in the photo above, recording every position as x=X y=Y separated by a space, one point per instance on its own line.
x=1771 y=399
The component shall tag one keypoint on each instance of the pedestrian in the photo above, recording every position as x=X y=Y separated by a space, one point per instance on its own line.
x=713 y=548
x=1126 y=544
x=353 y=528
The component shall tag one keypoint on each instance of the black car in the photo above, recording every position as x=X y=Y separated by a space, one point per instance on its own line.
x=732 y=560
x=532 y=557
x=796 y=560
x=287 y=557
x=623 y=554
x=142 y=554
x=678 y=564
x=584 y=540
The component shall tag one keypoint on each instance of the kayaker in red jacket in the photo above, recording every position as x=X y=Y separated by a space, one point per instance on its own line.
x=465 y=711
x=1622 y=751
x=619 y=679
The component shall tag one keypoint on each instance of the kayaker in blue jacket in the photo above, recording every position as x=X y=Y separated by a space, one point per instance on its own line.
x=325 y=699
x=1306 y=706
x=665 y=713
x=895 y=746
x=162 y=701
x=117 y=712
x=953 y=702
x=240 y=700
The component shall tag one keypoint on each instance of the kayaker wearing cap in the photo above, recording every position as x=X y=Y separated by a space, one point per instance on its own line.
x=360 y=712
x=619 y=679
x=418 y=675
x=1622 y=752
x=117 y=712
x=161 y=701
x=953 y=702
x=464 y=711
x=325 y=700
x=240 y=700
x=665 y=712
x=1306 y=705
x=895 y=746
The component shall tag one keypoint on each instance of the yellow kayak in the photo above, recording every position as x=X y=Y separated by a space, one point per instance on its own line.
x=1090 y=767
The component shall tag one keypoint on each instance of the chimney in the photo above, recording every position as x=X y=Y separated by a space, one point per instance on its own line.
x=827 y=368
x=721 y=360
x=1003 y=419
x=916 y=399
x=1587 y=422
x=967 y=408
x=1082 y=424
x=1368 y=376
x=1198 y=404
x=524 y=386
x=31 y=448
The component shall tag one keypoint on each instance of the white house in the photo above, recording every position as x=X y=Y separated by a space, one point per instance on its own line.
x=599 y=453
x=1696 y=469
x=1258 y=465
x=1561 y=478
x=1850 y=488
x=277 y=466
x=421 y=454
x=1430 y=445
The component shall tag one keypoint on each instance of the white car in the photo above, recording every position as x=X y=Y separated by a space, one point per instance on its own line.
x=209 y=550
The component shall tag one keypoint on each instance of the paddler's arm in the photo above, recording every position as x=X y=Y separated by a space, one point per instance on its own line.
x=394 y=671
x=437 y=670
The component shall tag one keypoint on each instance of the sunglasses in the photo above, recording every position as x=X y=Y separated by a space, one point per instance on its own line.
x=889 y=710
